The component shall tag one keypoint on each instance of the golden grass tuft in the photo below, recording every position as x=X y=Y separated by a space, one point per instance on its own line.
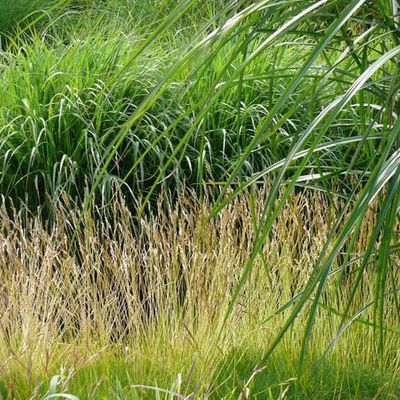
x=160 y=287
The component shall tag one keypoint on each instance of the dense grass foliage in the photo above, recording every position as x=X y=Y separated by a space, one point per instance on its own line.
x=221 y=98
x=13 y=11
x=90 y=103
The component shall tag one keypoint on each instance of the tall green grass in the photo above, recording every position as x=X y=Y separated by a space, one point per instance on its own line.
x=220 y=111
x=228 y=96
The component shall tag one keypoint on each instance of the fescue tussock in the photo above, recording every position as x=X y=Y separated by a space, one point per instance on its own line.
x=164 y=284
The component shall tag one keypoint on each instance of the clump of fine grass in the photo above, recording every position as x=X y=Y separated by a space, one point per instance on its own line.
x=60 y=137
x=139 y=302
